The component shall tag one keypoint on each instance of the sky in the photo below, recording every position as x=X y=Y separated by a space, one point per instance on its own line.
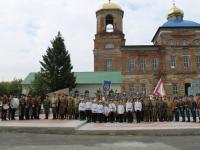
x=28 y=26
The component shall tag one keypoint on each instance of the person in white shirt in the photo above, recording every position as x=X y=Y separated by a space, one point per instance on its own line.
x=82 y=108
x=94 y=111
x=106 y=112
x=129 y=110
x=112 y=110
x=100 y=112
x=89 y=110
x=120 y=111
x=138 y=109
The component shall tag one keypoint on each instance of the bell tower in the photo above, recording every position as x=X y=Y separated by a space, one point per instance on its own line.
x=109 y=37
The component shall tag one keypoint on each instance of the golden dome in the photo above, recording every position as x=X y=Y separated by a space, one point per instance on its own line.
x=174 y=11
x=110 y=5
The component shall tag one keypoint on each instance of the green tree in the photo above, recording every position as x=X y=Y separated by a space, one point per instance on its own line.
x=38 y=87
x=11 y=87
x=56 y=67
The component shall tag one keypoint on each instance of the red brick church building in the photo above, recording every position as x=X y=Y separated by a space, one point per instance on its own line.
x=174 y=55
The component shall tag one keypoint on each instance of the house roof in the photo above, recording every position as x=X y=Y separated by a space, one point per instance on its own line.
x=85 y=77
x=29 y=79
x=98 y=77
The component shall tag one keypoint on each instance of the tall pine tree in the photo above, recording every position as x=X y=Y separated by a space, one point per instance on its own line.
x=56 y=67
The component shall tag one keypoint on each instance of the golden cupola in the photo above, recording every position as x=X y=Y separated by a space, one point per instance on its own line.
x=109 y=6
x=175 y=12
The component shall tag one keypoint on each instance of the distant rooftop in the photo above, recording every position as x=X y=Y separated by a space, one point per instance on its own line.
x=85 y=77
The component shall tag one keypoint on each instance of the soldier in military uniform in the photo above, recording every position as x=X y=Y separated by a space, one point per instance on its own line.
x=177 y=109
x=173 y=104
x=161 y=109
x=62 y=106
x=182 y=109
x=54 y=103
x=146 y=106
x=169 y=109
x=46 y=105
x=21 y=107
x=39 y=103
x=198 y=105
x=188 y=108
x=27 y=107
x=193 y=109
x=154 y=109
x=33 y=108
x=66 y=106
x=58 y=106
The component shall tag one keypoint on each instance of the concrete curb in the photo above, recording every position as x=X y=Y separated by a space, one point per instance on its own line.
x=39 y=130
x=148 y=132
x=78 y=130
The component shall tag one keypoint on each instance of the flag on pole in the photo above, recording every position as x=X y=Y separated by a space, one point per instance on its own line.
x=159 y=90
x=106 y=85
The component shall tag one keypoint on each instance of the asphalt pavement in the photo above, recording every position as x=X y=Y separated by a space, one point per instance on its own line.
x=25 y=141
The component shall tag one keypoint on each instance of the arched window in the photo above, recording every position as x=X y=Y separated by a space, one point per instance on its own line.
x=184 y=42
x=196 y=42
x=109 y=23
x=109 y=46
x=171 y=42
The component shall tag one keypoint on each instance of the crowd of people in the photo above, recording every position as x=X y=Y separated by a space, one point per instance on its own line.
x=103 y=109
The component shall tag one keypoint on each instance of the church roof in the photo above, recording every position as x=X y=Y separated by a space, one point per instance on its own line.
x=110 y=6
x=180 y=23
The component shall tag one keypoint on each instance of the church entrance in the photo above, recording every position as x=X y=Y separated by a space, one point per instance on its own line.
x=187 y=85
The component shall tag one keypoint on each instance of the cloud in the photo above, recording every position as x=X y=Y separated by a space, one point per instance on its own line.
x=28 y=26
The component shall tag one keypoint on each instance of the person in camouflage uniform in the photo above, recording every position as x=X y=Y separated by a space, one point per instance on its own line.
x=146 y=109
x=53 y=105
x=62 y=106
x=46 y=105
x=70 y=108
x=66 y=106
x=154 y=109
x=161 y=109
x=169 y=115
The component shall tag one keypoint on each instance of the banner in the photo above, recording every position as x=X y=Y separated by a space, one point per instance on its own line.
x=106 y=85
x=159 y=90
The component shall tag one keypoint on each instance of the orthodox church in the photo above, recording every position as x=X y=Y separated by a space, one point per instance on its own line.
x=174 y=55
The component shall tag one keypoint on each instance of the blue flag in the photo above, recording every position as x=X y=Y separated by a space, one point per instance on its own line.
x=106 y=85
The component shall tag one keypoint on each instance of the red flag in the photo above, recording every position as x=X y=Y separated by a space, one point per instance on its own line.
x=159 y=90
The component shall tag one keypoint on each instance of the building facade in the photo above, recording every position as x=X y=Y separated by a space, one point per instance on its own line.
x=174 y=55
x=85 y=81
